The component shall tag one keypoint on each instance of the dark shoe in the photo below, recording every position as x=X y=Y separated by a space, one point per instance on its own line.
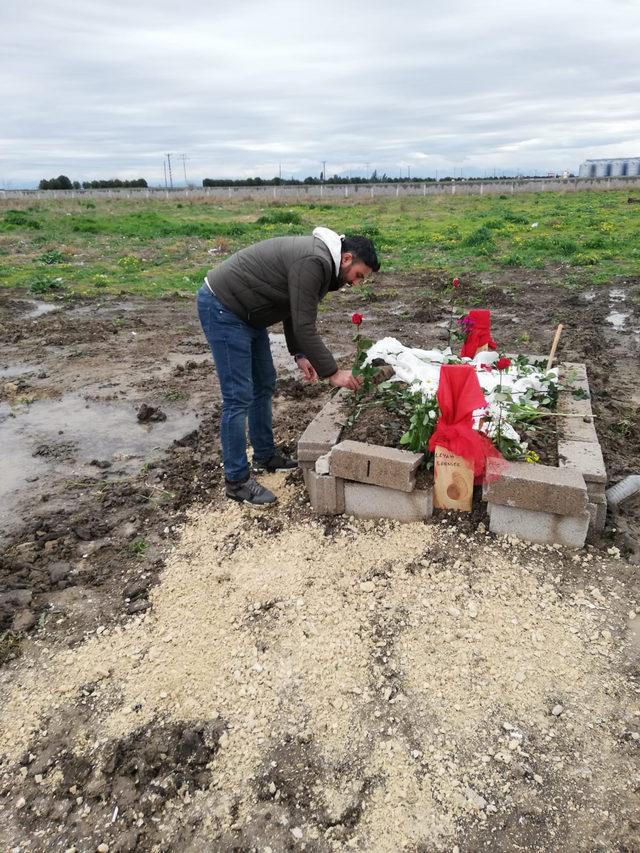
x=278 y=462
x=249 y=491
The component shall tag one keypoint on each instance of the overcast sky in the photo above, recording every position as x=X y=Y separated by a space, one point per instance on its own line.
x=105 y=88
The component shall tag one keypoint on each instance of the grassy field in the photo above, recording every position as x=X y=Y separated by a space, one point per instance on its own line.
x=149 y=246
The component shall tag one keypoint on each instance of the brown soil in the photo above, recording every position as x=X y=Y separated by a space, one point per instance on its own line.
x=184 y=674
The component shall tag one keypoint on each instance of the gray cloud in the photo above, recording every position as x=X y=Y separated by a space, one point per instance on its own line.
x=101 y=88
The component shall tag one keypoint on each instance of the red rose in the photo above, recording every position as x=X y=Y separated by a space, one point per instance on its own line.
x=503 y=363
x=356 y=319
x=456 y=282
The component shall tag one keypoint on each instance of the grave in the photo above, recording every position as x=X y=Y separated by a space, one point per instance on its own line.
x=532 y=501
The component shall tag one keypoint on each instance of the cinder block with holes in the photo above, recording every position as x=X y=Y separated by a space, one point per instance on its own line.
x=326 y=493
x=375 y=465
x=597 y=506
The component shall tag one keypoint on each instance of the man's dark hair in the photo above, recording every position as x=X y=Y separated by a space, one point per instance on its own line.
x=363 y=249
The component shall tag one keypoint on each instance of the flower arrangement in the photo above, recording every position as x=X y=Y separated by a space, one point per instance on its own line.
x=520 y=395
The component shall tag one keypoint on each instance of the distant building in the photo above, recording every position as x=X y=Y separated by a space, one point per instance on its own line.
x=611 y=167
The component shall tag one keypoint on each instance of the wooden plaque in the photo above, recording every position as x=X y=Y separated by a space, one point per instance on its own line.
x=453 y=481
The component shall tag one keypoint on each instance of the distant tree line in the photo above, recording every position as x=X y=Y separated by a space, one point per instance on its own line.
x=62 y=182
x=336 y=179
x=311 y=180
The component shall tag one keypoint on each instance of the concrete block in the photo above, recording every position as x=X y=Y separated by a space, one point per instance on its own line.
x=545 y=527
x=375 y=465
x=322 y=464
x=598 y=511
x=574 y=374
x=365 y=501
x=570 y=405
x=573 y=370
x=577 y=429
x=324 y=430
x=535 y=487
x=326 y=493
x=595 y=491
x=585 y=457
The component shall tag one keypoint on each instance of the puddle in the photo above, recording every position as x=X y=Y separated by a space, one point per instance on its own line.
x=16 y=370
x=66 y=434
x=101 y=308
x=618 y=319
x=39 y=309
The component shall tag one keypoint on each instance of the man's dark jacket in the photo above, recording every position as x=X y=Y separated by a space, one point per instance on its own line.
x=282 y=279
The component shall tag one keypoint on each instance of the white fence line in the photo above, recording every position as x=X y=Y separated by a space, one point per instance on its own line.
x=355 y=192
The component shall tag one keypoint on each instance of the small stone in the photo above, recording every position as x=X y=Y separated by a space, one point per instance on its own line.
x=557 y=710
x=21 y=803
x=23 y=621
x=367 y=586
x=103 y=848
x=520 y=677
x=475 y=799
x=100 y=629
x=296 y=832
x=138 y=606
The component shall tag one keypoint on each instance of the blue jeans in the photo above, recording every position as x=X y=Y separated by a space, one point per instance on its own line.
x=247 y=377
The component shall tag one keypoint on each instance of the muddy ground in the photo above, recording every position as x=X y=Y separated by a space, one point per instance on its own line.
x=181 y=673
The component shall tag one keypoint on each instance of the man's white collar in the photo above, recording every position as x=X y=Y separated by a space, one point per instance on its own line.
x=333 y=242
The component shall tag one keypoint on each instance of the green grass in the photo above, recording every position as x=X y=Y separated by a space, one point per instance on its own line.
x=153 y=246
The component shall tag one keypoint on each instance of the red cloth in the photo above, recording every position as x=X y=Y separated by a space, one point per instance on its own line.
x=479 y=319
x=459 y=394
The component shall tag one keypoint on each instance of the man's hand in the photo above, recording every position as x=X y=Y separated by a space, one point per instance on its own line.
x=345 y=379
x=307 y=369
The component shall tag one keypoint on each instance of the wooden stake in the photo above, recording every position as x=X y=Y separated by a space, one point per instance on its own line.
x=554 y=346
